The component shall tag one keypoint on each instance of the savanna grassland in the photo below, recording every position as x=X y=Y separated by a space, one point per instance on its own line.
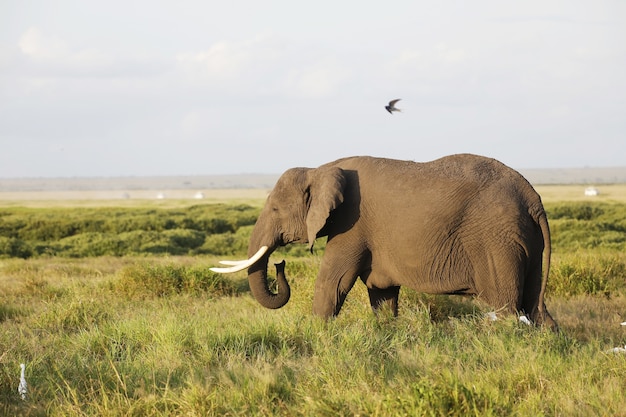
x=114 y=311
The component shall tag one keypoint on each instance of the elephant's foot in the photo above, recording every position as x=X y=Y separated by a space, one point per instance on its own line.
x=543 y=318
x=326 y=311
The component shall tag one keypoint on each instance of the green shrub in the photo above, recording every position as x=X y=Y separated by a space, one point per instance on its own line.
x=8 y=312
x=74 y=316
x=88 y=232
x=88 y=245
x=222 y=244
x=11 y=247
x=227 y=243
x=11 y=223
x=165 y=280
x=586 y=226
x=577 y=211
x=168 y=242
x=185 y=238
x=578 y=274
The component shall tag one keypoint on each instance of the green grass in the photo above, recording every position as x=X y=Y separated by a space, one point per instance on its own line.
x=160 y=335
x=104 y=336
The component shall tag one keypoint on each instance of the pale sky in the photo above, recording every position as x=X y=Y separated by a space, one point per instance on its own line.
x=142 y=88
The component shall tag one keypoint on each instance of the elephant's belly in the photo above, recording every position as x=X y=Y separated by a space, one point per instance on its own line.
x=445 y=280
x=438 y=265
x=434 y=287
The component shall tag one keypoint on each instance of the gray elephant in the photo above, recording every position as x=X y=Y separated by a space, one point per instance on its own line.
x=462 y=224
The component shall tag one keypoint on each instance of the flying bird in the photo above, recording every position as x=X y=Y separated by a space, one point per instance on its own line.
x=392 y=106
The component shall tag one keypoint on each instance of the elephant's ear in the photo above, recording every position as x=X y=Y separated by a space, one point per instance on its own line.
x=326 y=186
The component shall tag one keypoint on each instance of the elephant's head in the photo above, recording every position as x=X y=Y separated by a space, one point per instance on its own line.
x=295 y=212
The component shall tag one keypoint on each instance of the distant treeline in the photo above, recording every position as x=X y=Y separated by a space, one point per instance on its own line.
x=220 y=229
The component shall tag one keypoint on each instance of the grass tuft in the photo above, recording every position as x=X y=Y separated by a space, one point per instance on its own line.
x=590 y=274
x=165 y=280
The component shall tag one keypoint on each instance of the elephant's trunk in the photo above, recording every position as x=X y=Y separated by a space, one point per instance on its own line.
x=259 y=251
x=264 y=236
x=257 y=277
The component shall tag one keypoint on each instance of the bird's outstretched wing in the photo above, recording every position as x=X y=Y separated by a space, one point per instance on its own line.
x=393 y=102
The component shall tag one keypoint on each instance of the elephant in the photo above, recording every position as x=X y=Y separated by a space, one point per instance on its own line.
x=461 y=224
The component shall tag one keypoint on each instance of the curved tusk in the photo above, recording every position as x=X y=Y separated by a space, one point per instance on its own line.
x=239 y=265
x=233 y=262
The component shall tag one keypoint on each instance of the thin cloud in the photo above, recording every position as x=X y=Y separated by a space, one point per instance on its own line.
x=47 y=55
x=135 y=90
x=321 y=79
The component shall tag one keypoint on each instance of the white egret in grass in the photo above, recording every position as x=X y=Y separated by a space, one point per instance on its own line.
x=23 y=387
x=618 y=349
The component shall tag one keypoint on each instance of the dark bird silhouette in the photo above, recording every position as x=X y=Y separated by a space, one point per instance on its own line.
x=392 y=106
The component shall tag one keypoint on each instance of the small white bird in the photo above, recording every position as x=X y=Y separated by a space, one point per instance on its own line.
x=524 y=319
x=618 y=349
x=491 y=316
x=392 y=106
x=23 y=387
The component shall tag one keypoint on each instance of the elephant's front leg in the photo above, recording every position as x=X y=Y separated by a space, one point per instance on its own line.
x=332 y=286
x=381 y=297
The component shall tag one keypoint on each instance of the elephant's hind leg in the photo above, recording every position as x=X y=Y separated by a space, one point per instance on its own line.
x=384 y=297
x=533 y=304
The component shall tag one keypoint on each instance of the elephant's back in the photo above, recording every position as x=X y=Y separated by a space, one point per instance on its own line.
x=467 y=167
x=450 y=184
x=460 y=169
x=472 y=168
x=493 y=181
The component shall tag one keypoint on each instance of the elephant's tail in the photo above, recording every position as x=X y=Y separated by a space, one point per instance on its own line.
x=543 y=317
x=547 y=252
